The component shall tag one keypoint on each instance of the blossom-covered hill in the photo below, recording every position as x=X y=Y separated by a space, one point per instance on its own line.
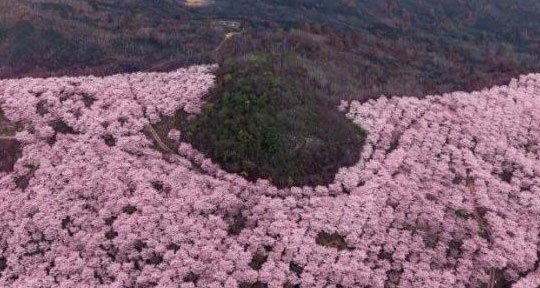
x=446 y=194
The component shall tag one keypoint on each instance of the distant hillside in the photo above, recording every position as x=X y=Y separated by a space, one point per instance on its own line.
x=413 y=47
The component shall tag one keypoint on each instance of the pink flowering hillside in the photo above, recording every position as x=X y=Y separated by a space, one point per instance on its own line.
x=446 y=194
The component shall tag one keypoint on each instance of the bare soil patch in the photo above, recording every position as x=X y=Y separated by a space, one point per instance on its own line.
x=197 y=3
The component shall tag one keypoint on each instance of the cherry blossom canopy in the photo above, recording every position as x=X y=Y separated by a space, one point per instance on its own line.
x=446 y=194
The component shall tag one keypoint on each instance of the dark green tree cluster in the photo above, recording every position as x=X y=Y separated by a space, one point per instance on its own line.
x=266 y=119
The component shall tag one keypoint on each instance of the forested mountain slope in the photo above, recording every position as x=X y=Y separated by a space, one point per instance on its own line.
x=407 y=47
